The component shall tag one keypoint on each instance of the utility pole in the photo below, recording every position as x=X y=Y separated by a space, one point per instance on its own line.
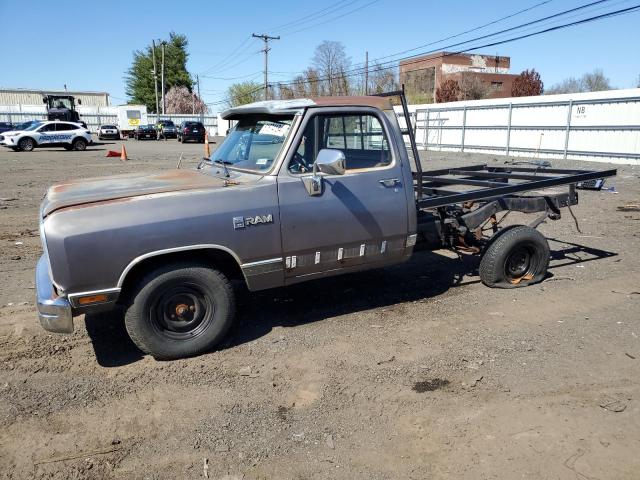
x=155 y=74
x=265 y=38
x=366 y=73
x=164 y=105
x=199 y=97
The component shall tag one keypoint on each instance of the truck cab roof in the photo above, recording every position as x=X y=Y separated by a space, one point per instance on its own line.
x=290 y=107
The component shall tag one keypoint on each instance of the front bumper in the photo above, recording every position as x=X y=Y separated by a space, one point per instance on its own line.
x=54 y=312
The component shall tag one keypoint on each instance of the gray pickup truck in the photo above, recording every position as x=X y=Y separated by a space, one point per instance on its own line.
x=299 y=190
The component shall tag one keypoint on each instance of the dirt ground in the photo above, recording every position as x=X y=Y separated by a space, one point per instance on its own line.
x=412 y=372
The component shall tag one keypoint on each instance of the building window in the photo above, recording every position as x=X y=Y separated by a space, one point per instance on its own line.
x=496 y=85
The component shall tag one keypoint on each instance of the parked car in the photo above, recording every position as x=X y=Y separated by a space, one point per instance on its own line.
x=6 y=127
x=25 y=125
x=145 y=131
x=71 y=136
x=167 y=129
x=191 y=131
x=108 y=131
x=317 y=203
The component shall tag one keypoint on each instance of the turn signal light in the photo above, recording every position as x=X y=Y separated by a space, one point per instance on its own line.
x=92 y=299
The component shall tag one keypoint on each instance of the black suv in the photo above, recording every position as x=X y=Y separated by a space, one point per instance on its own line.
x=191 y=131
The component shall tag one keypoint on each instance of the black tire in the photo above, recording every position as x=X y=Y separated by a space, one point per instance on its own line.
x=180 y=310
x=27 y=144
x=518 y=256
x=79 y=144
x=99 y=137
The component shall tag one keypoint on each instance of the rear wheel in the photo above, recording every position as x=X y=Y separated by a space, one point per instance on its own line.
x=27 y=144
x=79 y=144
x=180 y=310
x=517 y=257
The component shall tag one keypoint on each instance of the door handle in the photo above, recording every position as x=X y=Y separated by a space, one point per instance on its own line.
x=390 y=182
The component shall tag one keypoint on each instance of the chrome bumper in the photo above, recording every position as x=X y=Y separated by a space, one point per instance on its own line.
x=54 y=312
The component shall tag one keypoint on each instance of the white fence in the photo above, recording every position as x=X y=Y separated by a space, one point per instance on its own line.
x=597 y=126
x=94 y=117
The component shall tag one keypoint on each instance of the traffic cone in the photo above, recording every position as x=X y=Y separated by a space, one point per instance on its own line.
x=207 y=151
x=123 y=154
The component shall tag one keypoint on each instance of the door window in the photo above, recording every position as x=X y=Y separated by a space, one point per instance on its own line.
x=361 y=138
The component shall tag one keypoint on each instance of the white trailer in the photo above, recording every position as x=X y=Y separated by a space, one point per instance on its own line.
x=131 y=117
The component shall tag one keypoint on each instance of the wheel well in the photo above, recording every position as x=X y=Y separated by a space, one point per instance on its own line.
x=219 y=259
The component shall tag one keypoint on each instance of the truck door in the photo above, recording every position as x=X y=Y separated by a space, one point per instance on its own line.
x=360 y=217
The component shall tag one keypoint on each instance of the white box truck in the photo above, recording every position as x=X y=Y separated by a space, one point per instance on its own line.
x=131 y=117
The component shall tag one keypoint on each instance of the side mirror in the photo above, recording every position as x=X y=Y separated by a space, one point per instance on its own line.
x=330 y=161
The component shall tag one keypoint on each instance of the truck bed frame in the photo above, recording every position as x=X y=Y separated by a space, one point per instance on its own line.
x=453 y=204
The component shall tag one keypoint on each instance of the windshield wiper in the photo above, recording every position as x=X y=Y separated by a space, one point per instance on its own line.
x=224 y=164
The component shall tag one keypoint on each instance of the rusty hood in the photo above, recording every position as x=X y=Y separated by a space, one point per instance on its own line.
x=101 y=189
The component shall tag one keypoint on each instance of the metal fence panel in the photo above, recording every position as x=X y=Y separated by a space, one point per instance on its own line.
x=602 y=126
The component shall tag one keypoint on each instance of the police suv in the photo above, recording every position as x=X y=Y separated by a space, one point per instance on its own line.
x=71 y=136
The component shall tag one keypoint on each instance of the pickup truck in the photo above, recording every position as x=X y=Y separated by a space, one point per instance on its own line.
x=299 y=190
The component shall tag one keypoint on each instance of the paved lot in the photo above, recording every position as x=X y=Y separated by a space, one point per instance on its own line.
x=416 y=371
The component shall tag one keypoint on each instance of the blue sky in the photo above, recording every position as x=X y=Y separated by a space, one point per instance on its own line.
x=93 y=45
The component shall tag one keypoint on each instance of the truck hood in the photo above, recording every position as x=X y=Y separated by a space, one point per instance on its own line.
x=101 y=189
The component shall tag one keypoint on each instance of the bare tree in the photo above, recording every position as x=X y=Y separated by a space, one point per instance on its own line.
x=419 y=85
x=331 y=62
x=472 y=88
x=596 y=81
x=568 y=85
x=382 y=79
x=589 y=82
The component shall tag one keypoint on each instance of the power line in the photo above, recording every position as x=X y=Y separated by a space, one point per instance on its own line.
x=603 y=16
x=342 y=15
x=357 y=71
x=234 y=78
x=231 y=55
x=520 y=37
x=493 y=22
x=307 y=18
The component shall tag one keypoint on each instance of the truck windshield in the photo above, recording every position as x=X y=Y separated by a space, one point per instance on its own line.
x=254 y=143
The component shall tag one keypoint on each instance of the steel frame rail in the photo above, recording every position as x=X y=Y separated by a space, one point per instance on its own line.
x=495 y=182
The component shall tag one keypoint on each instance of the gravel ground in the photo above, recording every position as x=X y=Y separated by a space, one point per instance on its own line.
x=415 y=371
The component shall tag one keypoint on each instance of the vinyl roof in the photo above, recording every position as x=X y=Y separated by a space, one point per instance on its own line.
x=283 y=107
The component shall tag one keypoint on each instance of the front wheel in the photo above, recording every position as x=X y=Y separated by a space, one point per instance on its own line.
x=27 y=144
x=180 y=310
x=80 y=144
x=517 y=257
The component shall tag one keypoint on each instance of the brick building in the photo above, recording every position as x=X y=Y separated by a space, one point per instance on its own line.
x=423 y=75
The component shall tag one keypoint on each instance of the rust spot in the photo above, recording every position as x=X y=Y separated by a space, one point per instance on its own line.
x=382 y=103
